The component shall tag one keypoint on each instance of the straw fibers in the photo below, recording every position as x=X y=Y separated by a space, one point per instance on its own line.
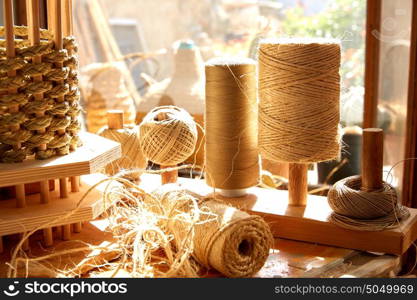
x=167 y=233
x=132 y=156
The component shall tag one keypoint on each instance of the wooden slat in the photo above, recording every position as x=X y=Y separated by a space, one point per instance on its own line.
x=409 y=183
x=373 y=24
x=35 y=214
x=409 y=187
x=95 y=153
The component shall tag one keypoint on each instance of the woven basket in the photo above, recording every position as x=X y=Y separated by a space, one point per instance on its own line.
x=104 y=87
x=46 y=127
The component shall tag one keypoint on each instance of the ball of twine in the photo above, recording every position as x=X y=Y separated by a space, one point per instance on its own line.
x=224 y=238
x=132 y=156
x=354 y=208
x=168 y=135
x=299 y=87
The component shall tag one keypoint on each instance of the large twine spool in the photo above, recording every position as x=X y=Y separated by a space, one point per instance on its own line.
x=299 y=87
x=132 y=157
x=224 y=238
x=168 y=135
x=231 y=148
x=357 y=209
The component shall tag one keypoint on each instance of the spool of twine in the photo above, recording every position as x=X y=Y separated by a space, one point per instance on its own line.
x=231 y=150
x=132 y=156
x=170 y=140
x=299 y=87
x=354 y=208
x=229 y=240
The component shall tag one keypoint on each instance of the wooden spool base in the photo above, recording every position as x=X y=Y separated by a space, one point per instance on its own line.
x=309 y=223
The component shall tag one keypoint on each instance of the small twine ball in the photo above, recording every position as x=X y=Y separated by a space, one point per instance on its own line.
x=132 y=156
x=347 y=199
x=168 y=135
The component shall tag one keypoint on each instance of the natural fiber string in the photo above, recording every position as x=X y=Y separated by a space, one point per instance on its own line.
x=366 y=210
x=33 y=130
x=299 y=86
x=356 y=209
x=170 y=140
x=132 y=156
x=171 y=220
x=232 y=159
x=225 y=238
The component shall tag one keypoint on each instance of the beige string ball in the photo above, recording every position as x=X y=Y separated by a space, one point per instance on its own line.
x=168 y=135
x=127 y=135
x=357 y=209
x=347 y=198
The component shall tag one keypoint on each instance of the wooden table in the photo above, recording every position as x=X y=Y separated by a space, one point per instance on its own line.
x=287 y=259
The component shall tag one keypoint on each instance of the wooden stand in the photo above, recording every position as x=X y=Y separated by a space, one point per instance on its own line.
x=297 y=184
x=95 y=153
x=298 y=216
x=35 y=215
x=304 y=223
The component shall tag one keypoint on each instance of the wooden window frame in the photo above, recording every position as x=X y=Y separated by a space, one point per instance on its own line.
x=372 y=55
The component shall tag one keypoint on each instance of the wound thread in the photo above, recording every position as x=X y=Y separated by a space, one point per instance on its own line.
x=299 y=87
x=231 y=152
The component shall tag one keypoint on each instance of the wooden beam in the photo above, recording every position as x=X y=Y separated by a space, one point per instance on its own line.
x=373 y=25
x=409 y=186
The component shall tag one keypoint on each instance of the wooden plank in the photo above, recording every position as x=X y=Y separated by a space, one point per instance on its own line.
x=287 y=258
x=373 y=25
x=307 y=223
x=95 y=153
x=32 y=216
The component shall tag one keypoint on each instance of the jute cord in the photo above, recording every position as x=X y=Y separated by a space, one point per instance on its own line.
x=299 y=86
x=132 y=156
x=356 y=209
x=169 y=233
x=22 y=131
x=170 y=140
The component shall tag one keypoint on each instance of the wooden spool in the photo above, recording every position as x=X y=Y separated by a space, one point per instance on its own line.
x=372 y=159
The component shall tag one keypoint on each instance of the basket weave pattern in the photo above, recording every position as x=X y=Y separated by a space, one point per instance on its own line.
x=27 y=123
